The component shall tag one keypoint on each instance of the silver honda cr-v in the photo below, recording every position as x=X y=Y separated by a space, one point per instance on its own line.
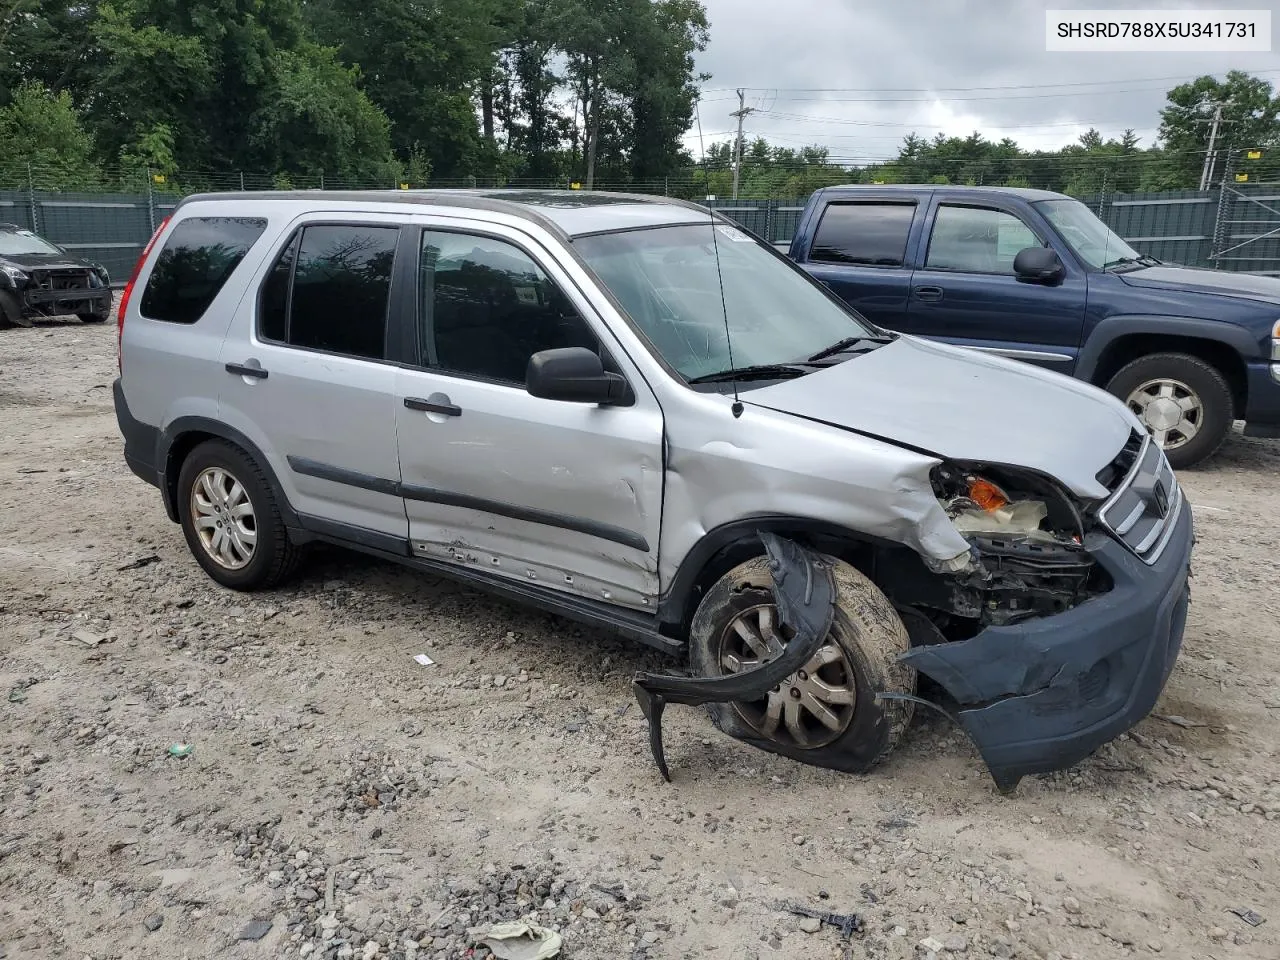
x=609 y=406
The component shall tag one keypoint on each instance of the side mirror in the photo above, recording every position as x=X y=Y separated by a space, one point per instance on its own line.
x=575 y=375
x=1038 y=265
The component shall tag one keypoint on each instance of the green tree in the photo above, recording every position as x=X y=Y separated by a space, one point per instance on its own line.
x=1250 y=119
x=244 y=88
x=537 y=128
x=40 y=131
x=421 y=62
x=661 y=96
x=316 y=120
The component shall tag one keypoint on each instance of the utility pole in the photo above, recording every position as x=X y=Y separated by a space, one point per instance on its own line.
x=1206 y=172
x=741 y=113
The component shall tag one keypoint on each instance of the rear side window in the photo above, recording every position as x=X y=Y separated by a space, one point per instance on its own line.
x=871 y=234
x=329 y=291
x=198 y=257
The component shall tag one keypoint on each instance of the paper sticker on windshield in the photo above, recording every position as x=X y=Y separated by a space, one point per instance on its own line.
x=733 y=233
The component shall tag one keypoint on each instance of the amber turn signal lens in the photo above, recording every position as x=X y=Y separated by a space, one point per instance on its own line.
x=987 y=495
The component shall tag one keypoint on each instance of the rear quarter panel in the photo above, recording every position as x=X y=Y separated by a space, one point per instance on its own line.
x=171 y=370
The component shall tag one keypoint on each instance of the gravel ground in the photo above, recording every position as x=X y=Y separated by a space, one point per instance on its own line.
x=340 y=800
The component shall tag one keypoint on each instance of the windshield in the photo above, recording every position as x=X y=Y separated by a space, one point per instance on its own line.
x=666 y=280
x=21 y=242
x=1093 y=241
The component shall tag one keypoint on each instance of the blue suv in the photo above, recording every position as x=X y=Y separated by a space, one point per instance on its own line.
x=1036 y=276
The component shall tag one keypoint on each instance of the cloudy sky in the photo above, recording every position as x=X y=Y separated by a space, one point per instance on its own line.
x=857 y=75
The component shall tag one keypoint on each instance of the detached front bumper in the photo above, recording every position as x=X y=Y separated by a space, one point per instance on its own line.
x=1044 y=694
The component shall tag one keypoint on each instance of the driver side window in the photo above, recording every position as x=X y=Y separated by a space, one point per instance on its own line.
x=485 y=307
x=977 y=240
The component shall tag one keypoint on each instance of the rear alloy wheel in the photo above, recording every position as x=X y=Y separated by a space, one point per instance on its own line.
x=223 y=517
x=826 y=713
x=1185 y=404
x=231 y=520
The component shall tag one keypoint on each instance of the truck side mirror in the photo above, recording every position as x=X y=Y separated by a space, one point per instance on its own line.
x=575 y=375
x=1038 y=265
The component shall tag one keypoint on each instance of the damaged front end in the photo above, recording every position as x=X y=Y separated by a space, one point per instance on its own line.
x=1054 y=633
x=1061 y=630
x=1026 y=537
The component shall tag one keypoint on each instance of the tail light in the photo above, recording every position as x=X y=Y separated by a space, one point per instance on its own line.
x=128 y=292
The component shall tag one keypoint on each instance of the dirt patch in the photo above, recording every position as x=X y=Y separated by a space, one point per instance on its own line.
x=341 y=800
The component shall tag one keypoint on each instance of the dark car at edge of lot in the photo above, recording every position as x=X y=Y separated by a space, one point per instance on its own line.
x=40 y=279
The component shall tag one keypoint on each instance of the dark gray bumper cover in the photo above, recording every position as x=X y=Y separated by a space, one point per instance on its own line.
x=1044 y=694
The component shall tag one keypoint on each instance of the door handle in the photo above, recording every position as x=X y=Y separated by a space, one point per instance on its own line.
x=244 y=370
x=426 y=406
x=928 y=293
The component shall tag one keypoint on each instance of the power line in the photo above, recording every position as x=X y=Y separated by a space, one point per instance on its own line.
x=1016 y=86
x=988 y=99
x=805 y=118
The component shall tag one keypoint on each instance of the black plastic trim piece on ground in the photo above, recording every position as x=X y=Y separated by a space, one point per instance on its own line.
x=805 y=593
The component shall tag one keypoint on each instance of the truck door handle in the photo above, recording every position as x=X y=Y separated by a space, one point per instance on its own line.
x=928 y=293
x=426 y=406
x=244 y=370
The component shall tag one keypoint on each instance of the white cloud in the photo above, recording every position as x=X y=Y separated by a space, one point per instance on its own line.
x=793 y=54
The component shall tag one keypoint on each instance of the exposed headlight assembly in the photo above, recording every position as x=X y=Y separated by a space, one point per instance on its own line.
x=980 y=505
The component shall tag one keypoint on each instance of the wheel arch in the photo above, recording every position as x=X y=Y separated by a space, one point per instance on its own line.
x=726 y=546
x=184 y=434
x=1118 y=341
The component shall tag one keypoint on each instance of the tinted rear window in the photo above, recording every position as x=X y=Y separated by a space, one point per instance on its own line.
x=873 y=234
x=198 y=257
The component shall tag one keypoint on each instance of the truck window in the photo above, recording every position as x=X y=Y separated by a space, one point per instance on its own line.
x=871 y=234
x=977 y=240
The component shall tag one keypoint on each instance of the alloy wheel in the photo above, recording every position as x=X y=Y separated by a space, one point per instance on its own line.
x=1169 y=409
x=223 y=518
x=810 y=708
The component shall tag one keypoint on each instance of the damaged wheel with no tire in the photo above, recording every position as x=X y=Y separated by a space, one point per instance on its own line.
x=826 y=713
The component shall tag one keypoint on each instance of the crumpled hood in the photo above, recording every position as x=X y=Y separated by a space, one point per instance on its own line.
x=964 y=405
x=1216 y=282
x=43 y=261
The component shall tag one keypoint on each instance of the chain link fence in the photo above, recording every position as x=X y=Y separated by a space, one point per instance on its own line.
x=110 y=216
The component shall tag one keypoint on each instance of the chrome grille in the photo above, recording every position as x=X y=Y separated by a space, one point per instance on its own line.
x=1142 y=510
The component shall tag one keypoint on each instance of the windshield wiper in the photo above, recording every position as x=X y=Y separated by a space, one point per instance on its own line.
x=1143 y=261
x=847 y=344
x=763 y=371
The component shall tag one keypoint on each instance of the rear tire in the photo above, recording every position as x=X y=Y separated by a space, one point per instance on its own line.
x=1184 y=402
x=92 y=317
x=231 y=520
x=825 y=714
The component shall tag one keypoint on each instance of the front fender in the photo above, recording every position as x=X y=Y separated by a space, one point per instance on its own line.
x=1111 y=329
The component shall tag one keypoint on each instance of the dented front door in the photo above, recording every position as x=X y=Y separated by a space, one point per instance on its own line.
x=565 y=495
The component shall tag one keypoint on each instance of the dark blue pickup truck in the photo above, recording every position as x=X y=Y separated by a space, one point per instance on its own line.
x=1038 y=277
